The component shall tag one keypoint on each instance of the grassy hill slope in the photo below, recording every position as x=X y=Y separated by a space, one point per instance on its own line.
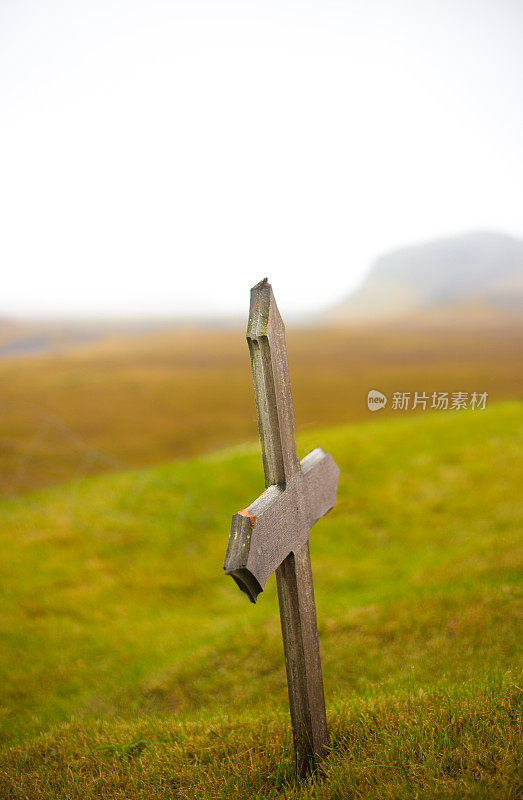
x=132 y=667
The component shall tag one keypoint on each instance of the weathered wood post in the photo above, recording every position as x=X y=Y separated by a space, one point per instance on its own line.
x=272 y=534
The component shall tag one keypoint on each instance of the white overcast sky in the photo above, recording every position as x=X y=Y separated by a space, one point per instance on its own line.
x=161 y=157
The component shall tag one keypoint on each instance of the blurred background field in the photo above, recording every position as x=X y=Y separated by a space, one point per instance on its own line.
x=139 y=399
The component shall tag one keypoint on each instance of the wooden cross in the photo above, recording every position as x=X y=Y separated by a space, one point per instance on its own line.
x=272 y=534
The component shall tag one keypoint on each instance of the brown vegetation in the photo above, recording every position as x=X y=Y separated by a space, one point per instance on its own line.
x=163 y=396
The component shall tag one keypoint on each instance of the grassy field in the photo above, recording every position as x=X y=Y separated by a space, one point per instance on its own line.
x=145 y=399
x=131 y=667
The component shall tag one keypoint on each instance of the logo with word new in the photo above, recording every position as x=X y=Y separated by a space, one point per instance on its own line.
x=376 y=400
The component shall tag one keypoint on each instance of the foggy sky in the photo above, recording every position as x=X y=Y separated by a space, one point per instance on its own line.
x=161 y=157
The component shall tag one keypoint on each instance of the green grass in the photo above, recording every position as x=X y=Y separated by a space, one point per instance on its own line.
x=132 y=667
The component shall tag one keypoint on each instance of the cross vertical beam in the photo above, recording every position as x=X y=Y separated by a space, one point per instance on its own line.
x=272 y=389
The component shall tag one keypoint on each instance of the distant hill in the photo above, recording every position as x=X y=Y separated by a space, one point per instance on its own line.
x=479 y=271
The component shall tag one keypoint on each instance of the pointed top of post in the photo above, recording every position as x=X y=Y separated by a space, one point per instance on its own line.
x=264 y=317
x=272 y=386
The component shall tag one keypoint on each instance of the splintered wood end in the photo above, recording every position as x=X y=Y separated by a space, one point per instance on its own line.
x=251 y=517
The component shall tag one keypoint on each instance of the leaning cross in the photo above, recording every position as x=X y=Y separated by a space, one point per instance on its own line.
x=272 y=534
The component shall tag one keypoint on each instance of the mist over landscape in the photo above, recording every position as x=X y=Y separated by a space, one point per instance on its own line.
x=479 y=273
x=158 y=160
x=476 y=277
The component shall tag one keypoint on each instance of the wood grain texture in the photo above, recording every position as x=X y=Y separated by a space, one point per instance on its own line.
x=278 y=522
x=271 y=535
